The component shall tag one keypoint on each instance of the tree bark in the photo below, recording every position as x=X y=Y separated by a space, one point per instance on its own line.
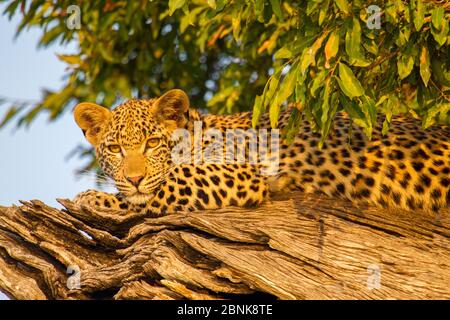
x=295 y=247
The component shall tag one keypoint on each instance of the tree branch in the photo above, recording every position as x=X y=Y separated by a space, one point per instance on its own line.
x=295 y=247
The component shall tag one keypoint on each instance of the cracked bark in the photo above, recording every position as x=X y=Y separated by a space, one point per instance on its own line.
x=295 y=247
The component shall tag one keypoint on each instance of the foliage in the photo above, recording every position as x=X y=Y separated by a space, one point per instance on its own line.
x=230 y=55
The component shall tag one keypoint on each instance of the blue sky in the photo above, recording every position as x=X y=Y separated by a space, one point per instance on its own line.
x=33 y=161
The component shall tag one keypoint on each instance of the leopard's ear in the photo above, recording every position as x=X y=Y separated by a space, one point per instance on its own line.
x=171 y=108
x=92 y=119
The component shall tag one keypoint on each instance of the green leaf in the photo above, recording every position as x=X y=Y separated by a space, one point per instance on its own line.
x=439 y=72
x=437 y=17
x=274 y=112
x=391 y=14
x=386 y=126
x=70 y=59
x=259 y=10
x=185 y=22
x=430 y=118
x=270 y=98
x=325 y=104
x=221 y=4
x=323 y=11
x=236 y=25
x=30 y=116
x=12 y=112
x=418 y=15
x=328 y=113
x=403 y=36
x=287 y=86
x=186 y=8
x=342 y=5
x=175 y=5
x=106 y=53
x=271 y=88
x=425 y=66
x=308 y=55
x=11 y=9
x=405 y=65
x=282 y=53
x=293 y=125
x=51 y=35
x=353 y=45
x=318 y=82
x=440 y=35
x=348 y=83
x=212 y=4
x=357 y=115
x=267 y=96
x=331 y=47
x=311 y=7
x=306 y=59
x=370 y=112
x=300 y=88
x=390 y=103
x=257 y=111
x=277 y=9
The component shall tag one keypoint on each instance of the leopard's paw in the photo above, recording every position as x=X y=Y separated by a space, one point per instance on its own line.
x=99 y=200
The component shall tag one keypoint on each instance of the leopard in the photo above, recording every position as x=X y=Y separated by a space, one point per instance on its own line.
x=406 y=168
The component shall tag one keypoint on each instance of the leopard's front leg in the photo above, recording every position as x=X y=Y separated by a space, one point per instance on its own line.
x=209 y=186
x=101 y=200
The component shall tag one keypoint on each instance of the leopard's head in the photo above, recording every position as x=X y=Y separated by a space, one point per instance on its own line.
x=133 y=142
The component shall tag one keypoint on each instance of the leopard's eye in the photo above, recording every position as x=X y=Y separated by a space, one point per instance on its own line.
x=114 y=148
x=153 y=143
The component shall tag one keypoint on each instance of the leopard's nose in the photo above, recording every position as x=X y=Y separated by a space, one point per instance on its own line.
x=135 y=181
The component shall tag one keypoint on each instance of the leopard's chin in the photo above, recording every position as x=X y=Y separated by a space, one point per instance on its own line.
x=139 y=198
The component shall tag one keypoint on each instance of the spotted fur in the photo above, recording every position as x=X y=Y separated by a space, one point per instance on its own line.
x=407 y=168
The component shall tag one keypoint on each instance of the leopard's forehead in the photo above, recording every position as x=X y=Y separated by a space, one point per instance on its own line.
x=132 y=122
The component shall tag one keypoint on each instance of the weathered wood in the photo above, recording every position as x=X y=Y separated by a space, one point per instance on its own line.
x=295 y=247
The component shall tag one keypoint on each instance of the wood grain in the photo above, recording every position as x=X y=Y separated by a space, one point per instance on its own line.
x=295 y=247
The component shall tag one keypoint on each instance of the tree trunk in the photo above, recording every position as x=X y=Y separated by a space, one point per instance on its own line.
x=295 y=247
